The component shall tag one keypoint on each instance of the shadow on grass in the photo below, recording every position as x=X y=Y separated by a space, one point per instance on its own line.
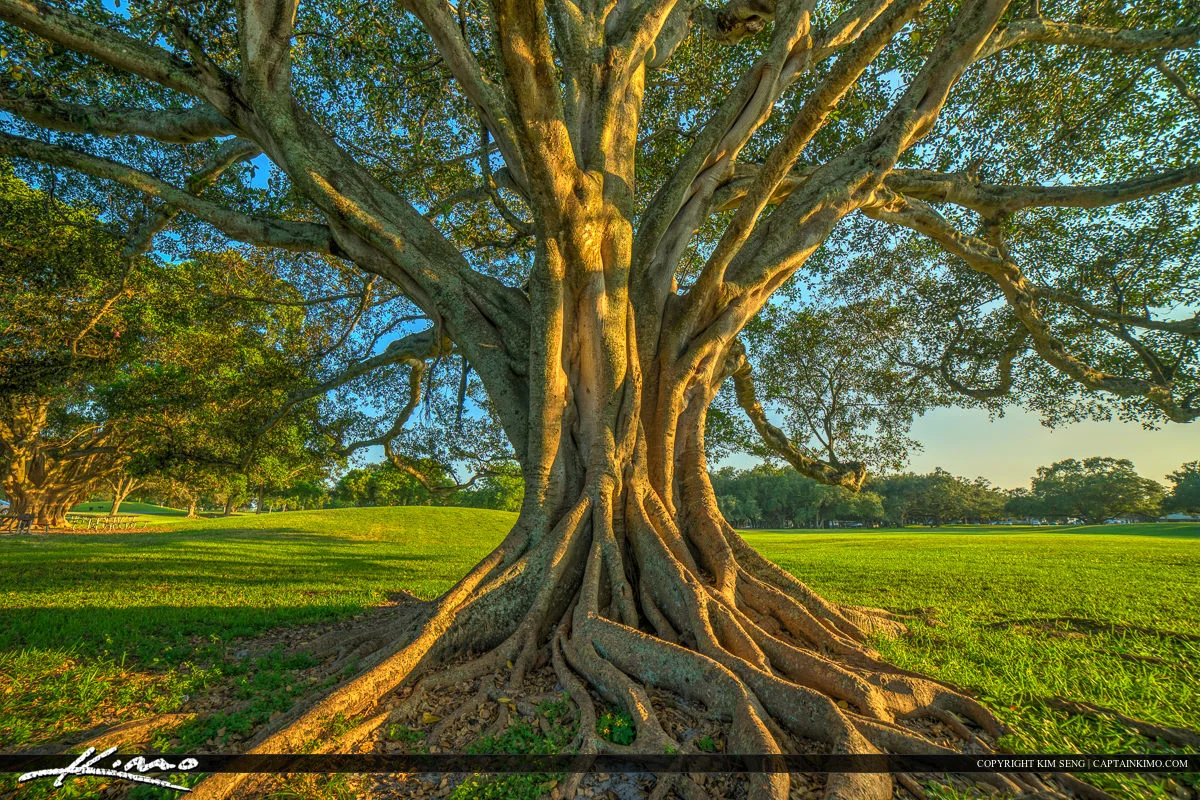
x=197 y=558
x=162 y=634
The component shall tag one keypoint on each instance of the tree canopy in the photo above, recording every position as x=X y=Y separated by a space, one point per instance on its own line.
x=1093 y=490
x=1185 y=489
x=583 y=206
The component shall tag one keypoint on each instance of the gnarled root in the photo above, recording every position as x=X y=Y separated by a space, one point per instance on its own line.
x=619 y=613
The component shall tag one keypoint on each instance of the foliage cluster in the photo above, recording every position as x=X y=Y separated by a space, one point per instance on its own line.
x=1089 y=491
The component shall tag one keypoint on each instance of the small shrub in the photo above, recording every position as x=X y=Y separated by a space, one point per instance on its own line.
x=616 y=727
x=403 y=733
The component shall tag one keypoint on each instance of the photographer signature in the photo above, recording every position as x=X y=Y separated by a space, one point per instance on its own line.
x=131 y=770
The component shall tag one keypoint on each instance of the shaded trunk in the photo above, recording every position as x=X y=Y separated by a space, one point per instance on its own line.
x=45 y=478
x=230 y=507
x=121 y=488
x=48 y=507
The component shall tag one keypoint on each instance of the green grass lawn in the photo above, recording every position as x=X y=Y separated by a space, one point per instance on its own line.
x=128 y=507
x=96 y=629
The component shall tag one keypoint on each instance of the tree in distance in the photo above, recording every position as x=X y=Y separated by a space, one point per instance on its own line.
x=1185 y=489
x=589 y=203
x=1092 y=490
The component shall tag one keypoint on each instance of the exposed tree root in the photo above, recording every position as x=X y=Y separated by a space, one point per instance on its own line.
x=1177 y=736
x=126 y=733
x=1086 y=625
x=615 y=613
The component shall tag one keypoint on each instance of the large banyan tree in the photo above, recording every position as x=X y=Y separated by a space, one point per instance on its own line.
x=590 y=200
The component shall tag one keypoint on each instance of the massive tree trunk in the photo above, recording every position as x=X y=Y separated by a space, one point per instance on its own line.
x=45 y=478
x=47 y=505
x=621 y=574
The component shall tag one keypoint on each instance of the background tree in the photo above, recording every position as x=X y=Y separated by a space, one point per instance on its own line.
x=79 y=303
x=938 y=498
x=767 y=496
x=835 y=376
x=384 y=485
x=502 y=488
x=1185 y=489
x=590 y=202
x=1095 y=489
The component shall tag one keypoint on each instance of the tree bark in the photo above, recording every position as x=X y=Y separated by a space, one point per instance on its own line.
x=45 y=479
x=622 y=574
x=122 y=485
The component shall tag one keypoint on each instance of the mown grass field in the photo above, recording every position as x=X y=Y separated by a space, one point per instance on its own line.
x=97 y=629
x=128 y=507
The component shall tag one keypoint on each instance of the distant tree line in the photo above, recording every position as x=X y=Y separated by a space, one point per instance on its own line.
x=380 y=484
x=1089 y=491
x=384 y=485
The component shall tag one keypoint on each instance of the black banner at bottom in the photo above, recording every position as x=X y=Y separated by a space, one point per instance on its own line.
x=111 y=761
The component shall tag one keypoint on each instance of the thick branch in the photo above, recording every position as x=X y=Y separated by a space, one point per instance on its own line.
x=1185 y=327
x=266 y=231
x=683 y=201
x=115 y=49
x=487 y=98
x=963 y=190
x=173 y=125
x=533 y=93
x=799 y=224
x=850 y=475
x=810 y=119
x=1123 y=40
x=1021 y=296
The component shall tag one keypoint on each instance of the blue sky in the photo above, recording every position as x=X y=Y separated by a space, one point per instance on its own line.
x=1007 y=451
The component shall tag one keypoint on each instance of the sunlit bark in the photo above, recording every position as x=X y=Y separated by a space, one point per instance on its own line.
x=620 y=571
x=45 y=477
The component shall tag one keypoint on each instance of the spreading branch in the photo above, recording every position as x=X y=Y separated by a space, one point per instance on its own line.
x=118 y=50
x=1021 y=295
x=1121 y=40
x=171 y=125
x=265 y=231
x=850 y=475
x=991 y=199
x=413 y=349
